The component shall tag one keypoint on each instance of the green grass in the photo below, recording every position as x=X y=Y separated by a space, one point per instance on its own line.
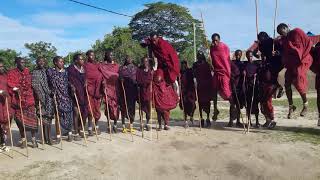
x=297 y=102
x=177 y=114
x=294 y=134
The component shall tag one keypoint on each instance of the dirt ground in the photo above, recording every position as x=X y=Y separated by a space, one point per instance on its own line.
x=218 y=153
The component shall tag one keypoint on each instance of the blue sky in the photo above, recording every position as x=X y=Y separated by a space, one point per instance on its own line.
x=71 y=27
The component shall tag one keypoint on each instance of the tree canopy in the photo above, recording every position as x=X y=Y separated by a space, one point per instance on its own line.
x=173 y=22
x=41 y=49
x=122 y=43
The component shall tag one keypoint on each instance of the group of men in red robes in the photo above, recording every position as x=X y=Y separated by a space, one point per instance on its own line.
x=75 y=94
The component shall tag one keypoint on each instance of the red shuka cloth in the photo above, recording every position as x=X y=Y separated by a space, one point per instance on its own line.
x=168 y=59
x=3 y=106
x=22 y=80
x=220 y=56
x=297 y=58
x=165 y=98
x=144 y=80
x=94 y=82
x=188 y=92
x=110 y=74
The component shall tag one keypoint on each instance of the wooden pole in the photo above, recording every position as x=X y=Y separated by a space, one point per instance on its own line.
x=58 y=119
x=91 y=111
x=238 y=102
x=274 y=24
x=81 y=119
x=140 y=113
x=24 y=126
x=9 y=121
x=196 y=90
x=194 y=43
x=127 y=111
x=257 y=25
x=206 y=40
x=252 y=98
x=108 y=113
x=41 y=124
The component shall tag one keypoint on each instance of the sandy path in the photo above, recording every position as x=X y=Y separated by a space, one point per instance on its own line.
x=217 y=153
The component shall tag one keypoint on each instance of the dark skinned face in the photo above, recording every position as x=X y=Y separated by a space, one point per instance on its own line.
x=129 y=60
x=184 y=66
x=215 y=41
x=283 y=31
x=80 y=61
x=154 y=39
x=238 y=55
x=91 y=57
x=21 y=64
x=249 y=57
x=40 y=63
x=109 y=56
x=2 y=68
x=59 y=64
x=145 y=62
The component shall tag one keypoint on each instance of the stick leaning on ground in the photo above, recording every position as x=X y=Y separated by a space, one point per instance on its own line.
x=24 y=126
x=91 y=112
x=108 y=113
x=58 y=119
x=140 y=113
x=81 y=118
x=41 y=124
x=127 y=111
x=9 y=121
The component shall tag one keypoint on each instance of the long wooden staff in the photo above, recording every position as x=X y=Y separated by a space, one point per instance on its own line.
x=182 y=105
x=238 y=102
x=257 y=25
x=254 y=84
x=196 y=90
x=108 y=113
x=91 y=111
x=9 y=121
x=24 y=127
x=140 y=113
x=81 y=119
x=151 y=111
x=58 y=119
x=274 y=24
x=41 y=124
x=127 y=111
x=206 y=40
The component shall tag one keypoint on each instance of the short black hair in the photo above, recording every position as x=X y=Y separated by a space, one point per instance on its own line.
x=56 y=59
x=76 y=56
x=263 y=34
x=38 y=58
x=153 y=34
x=89 y=51
x=237 y=51
x=17 y=59
x=108 y=50
x=248 y=51
x=281 y=26
x=184 y=62
x=215 y=35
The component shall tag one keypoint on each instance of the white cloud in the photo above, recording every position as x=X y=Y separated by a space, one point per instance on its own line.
x=235 y=20
x=14 y=35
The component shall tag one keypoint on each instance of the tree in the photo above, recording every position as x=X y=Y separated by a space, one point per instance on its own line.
x=41 y=49
x=8 y=56
x=171 y=21
x=120 y=40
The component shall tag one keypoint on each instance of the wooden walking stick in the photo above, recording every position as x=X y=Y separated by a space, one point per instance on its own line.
x=9 y=121
x=58 y=119
x=252 y=98
x=81 y=119
x=91 y=111
x=196 y=90
x=127 y=111
x=206 y=40
x=182 y=105
x=257 y=25
x=41 y=124
x=24 y=126
x=140 y=113
x=238 y=102
x=108 y=113
x=274 y=24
